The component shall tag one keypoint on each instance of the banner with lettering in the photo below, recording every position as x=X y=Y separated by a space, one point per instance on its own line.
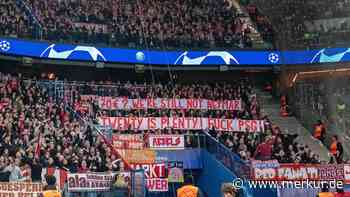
x=166 y=142
x=265 y=164
x=287 y=172
x=347 y=173
x=19 y=189
x=123 y=103
x=175 y=172
x=127 y=141
x=156 y=176
x=81 y=182
x=138 y=156
x=182 y=123
x=91 y=26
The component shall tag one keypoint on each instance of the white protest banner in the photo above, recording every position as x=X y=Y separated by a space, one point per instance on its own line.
x=19 y=189
x=122 y=103
x=182 y=123
x=80 y=182
x=166 y=142
x=127 y=141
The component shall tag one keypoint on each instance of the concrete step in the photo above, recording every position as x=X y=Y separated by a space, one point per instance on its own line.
x=271 y=108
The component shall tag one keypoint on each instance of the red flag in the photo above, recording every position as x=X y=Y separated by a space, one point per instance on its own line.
x=59 y=174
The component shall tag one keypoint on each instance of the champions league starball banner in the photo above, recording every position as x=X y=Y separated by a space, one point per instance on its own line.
x=38 y=49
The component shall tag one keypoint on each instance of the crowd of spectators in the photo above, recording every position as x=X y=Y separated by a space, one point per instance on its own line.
x=278 y=145
x=29 y=115
x=180 y=23
x=28 y=118
x=147 y=24
x=14 y=22
x=262 y=22
x=273 y=146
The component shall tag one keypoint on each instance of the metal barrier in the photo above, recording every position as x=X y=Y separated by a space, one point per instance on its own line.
x=229 y=159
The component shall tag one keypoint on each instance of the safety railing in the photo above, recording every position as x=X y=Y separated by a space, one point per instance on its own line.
x=228 y=158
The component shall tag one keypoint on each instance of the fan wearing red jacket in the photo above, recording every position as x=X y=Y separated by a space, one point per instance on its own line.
x=264 y=150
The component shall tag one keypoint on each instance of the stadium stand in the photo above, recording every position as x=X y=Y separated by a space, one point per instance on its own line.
x=308 y=24
x=28 y=114
x=71 y=127
x=29 y=117
x=283 y=145
x=156 y=24
x=328 y=101
x=14 y=22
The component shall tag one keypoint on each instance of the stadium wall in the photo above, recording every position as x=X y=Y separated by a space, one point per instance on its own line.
x=210 y=180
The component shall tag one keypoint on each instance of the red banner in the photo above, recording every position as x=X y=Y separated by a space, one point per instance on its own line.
x=166 y=142
x=155 y=174
x=182 y=123
x=122 y=103
x=286 y=172
x=126 y=141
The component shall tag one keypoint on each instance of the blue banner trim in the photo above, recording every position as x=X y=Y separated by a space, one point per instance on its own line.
x=38 y=49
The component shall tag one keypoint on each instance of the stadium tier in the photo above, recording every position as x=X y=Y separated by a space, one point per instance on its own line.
x=308 y=24
x=181 y=98
x=146 y=24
